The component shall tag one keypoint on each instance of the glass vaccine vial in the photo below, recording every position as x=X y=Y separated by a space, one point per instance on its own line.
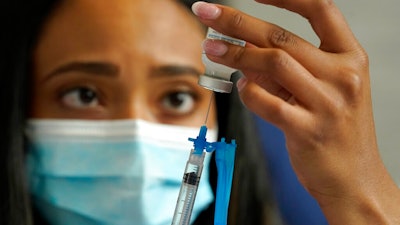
x=217 y=77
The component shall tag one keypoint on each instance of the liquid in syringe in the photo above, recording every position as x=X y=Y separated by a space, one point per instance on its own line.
x=189 y=186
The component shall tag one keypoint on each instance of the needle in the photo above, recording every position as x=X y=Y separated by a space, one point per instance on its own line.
x=209 y=106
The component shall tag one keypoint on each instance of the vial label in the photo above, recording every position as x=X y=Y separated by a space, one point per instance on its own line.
x=213 y=34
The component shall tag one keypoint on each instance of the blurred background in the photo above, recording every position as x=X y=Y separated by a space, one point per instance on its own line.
x=375 y=24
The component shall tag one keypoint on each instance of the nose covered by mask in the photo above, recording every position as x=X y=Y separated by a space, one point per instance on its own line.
x=110 y=172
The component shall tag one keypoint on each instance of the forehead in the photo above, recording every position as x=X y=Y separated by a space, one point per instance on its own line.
x=148 y=27
x=109 y=10
x=161 y=18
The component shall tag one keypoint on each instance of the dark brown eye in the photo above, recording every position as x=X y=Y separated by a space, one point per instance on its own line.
x=179 y=102
x=80 y=97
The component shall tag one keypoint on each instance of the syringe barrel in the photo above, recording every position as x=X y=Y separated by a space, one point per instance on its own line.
x=189 y=186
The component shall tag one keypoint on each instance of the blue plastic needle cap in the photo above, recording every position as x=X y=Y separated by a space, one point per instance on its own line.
x=225 y=159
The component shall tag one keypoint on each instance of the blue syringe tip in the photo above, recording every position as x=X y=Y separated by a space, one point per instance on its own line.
x=203 y=132
x=200 y=143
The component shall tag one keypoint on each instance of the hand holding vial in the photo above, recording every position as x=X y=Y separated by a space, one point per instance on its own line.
x=319 y=97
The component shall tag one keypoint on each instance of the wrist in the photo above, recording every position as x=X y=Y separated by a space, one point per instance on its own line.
x=377 y=204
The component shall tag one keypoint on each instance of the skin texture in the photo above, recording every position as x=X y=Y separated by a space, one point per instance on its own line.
x=100 y=60
x=319 y=96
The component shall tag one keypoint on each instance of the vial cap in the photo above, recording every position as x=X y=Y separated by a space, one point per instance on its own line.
x=215 y=84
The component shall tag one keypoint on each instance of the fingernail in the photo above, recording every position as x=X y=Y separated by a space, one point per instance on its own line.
x=213 y=47
x=206 y=10
x=241 y=83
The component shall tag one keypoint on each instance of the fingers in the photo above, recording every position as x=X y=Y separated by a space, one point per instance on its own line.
x=253 y=95
x=272 y=69
x=275 y=110
x=237 y=24
x=242 y=26
x=325 y=18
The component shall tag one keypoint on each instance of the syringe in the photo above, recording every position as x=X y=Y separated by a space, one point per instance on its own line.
x=225 y=157
x=191 y=179
x=187 y=193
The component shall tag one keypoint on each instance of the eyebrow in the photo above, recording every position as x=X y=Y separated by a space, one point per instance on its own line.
x=168 y=70
x=109 y=69
x=98 y=68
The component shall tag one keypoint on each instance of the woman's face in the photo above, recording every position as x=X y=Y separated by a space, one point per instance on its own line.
x=138 y=59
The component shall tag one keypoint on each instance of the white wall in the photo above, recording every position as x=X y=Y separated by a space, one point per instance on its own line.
x=375 y=23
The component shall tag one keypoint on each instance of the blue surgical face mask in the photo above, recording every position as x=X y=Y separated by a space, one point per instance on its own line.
x=110 y=172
